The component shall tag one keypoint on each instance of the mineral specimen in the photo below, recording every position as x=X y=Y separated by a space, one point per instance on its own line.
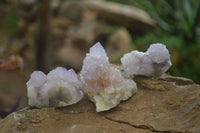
x=154 y=62
x=102 y=82
x=59 y=88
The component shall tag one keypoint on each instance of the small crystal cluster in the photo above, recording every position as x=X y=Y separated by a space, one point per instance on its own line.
x=60 y=87
x=102 y=82
x=154 y=62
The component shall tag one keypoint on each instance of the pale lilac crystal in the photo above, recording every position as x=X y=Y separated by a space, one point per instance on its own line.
x=103 y=83
x=37 y=96
x=158 y=53
x=58 y=74
x=95 y=65
x=154 y=62
x=37 y=79
x=72 y=77
x=59 y=88
x=98 y=51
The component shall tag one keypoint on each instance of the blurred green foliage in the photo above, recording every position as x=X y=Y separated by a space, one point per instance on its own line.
x=110 y=29
x=9 y=23
x=178 y=27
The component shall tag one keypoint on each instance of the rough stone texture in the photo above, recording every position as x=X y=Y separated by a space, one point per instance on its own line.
x=168 y=105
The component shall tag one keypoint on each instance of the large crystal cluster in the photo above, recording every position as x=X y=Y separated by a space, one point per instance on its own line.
x=154 y=62
x=60 y=87
x=102 y=82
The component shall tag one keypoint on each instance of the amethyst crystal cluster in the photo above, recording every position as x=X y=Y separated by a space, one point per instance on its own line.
x=100 y=81
x=154 y=62
x=58 y=88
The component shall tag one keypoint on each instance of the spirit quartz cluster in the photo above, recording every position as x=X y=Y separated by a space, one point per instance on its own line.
x=60 y=87
x=154 y=62
x=102 y=82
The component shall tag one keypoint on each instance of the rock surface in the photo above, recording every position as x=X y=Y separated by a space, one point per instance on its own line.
x=168 y=105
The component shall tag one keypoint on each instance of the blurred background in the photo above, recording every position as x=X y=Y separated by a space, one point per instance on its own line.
x=43 y=34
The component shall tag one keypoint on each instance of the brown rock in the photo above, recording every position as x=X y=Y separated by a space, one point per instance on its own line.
x=78 y=40
x=128 y=16
x=168 y=105
x=119 y=43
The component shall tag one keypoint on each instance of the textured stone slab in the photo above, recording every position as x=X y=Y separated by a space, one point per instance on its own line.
x=168 y=104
